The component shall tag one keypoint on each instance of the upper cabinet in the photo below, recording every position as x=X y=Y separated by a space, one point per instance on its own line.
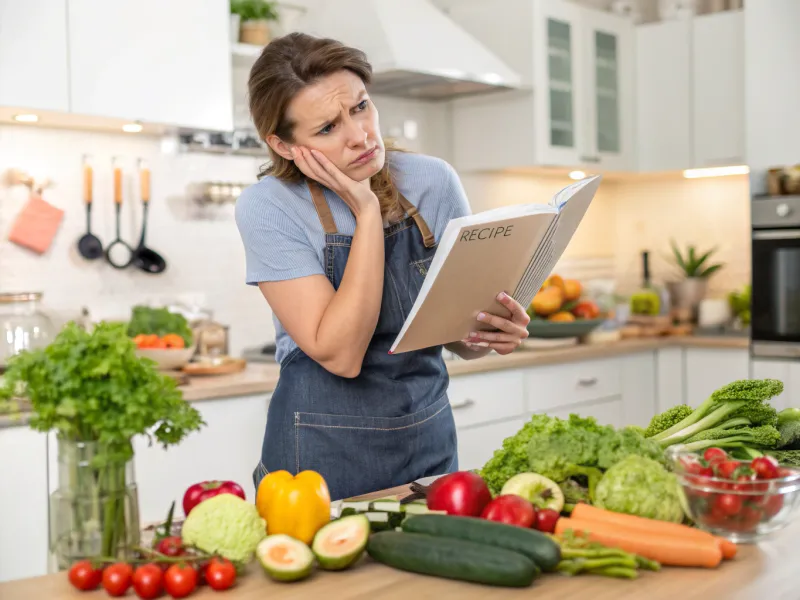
x=153 y=61
x=690 y=93
x=718 y=89
x=579 y=109
x=33 y=54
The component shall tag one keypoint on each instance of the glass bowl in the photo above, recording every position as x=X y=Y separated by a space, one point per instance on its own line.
x=741 y=511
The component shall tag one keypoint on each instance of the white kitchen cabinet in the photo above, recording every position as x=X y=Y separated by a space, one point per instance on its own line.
x=670 y=381
x=787 y=371
x=717 y=89
x=476 y=445
x=23 y=503
x=608 y=411
x=154 y=61
x=579 y=62
x=552 y=387
x=663 y=96
x=229 y=447
x=709 y=369
x=639 y=394
x=772 y=87
x=33 y=54
x=486 y=397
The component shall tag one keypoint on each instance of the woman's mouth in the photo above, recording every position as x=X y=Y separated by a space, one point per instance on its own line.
x=366 y=157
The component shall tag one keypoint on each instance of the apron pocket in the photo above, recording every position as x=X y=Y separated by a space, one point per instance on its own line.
x=358 y=454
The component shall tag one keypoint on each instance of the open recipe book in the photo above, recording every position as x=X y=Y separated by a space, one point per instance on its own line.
x=511 y=249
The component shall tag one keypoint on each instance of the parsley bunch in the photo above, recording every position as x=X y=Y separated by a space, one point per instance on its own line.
x=92 y=386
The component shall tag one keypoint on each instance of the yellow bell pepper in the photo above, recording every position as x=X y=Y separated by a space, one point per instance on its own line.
x=297 y=506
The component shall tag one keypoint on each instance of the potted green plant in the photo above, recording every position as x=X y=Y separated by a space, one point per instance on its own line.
x=695 y=269
x=254 y=20
x=96 y=394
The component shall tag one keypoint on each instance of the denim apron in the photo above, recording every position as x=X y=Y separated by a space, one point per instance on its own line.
x=390 y=425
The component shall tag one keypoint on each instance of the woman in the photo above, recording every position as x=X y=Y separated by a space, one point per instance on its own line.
x=338 y=233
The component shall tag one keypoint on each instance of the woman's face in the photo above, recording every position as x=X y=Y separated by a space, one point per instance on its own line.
x=336 y=117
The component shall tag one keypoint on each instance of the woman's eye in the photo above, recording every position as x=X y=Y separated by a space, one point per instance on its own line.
x=362 y=105
x=327 y=129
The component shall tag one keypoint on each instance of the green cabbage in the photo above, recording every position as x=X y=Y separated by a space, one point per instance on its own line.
x=225 y=525
x=640 y=486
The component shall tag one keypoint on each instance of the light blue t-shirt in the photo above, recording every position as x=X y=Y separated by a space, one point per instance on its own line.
x=283 y=237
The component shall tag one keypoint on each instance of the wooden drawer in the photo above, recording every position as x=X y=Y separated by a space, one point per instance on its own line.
x=486 y=397
x=607 y=412
x=476 y=445
x=561 y=385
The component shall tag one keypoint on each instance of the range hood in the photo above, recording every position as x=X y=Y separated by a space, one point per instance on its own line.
x=416 y=51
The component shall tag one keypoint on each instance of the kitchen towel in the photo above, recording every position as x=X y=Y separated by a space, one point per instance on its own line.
x=36 y=225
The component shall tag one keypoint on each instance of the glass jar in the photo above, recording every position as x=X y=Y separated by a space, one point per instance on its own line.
x=23 y=326
x=94 y=512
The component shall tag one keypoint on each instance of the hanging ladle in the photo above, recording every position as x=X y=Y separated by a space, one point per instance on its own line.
x=89 y=246
x=123 y=252
x=144 y=258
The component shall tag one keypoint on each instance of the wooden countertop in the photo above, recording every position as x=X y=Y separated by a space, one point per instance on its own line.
x=766 y=570
x=261 y=378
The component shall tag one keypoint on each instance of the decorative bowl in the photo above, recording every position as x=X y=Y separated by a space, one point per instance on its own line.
x=540 y=328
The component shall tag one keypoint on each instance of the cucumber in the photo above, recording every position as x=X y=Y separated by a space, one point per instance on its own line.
x=530 y=543
x=452 y=559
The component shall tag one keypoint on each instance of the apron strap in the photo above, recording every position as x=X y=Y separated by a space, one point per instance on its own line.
x=412 y=211
x=323 y=210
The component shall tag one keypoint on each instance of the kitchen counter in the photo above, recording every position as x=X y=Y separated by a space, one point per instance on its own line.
x=766 y=570
x=261 y=378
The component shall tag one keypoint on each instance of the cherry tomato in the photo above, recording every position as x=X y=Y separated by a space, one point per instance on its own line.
x=84 y=576
x=220 y=574
x=750 y=516
x=728 y=504
x=765 y=467
x=715 y=455
x=148 y=581
x=171 y=546
x=772 y=505
x=117 y=579
x=726 y=468
x=546 y=520
x=180 y=580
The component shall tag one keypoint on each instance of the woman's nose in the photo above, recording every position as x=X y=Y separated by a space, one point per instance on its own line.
x=356 y=135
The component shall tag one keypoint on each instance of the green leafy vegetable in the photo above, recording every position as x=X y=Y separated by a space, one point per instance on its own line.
x=640 y=486
x=789 y=429
x=667 y=419
x=159 y=321
x=788 y=458
x=623 y=443
x=92 y=386
x=763 y=435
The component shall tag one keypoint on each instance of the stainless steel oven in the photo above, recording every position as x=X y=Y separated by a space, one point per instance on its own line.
x=775 y=320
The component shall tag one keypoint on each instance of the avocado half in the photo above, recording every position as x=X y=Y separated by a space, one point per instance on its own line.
x=340 y=543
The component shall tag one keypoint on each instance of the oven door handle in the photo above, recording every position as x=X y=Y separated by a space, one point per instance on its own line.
x=777 y=234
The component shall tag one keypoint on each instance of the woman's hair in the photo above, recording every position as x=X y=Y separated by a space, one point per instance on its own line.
x=286 y=66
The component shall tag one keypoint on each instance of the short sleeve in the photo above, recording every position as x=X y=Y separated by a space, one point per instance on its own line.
x=276 y=246
x=453 y=193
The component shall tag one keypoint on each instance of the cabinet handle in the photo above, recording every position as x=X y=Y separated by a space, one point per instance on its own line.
x=465 y=404
x=590 y=159
x=587 y=382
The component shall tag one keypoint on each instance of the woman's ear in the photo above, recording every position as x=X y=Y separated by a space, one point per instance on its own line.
x=280 y=147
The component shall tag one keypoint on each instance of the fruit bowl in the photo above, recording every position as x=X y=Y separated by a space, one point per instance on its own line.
x=168 y=359
x=540 y=328
x=741 y=511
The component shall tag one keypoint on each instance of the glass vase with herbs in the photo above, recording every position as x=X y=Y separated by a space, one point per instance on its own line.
x=96 y=394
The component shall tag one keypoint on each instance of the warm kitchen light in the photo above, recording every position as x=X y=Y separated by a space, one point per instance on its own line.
x=577 y=175
x=716 y=172
x=26 y=118
x=132 y=127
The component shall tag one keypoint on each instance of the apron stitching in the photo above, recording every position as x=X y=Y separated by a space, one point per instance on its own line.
x=396 y=292
x=298 y=424
x=297 y=442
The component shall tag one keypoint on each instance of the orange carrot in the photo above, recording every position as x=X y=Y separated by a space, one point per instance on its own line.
x=586 y=512
x=666 y=549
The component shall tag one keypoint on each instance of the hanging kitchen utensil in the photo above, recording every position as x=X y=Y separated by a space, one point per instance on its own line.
x=144 y=258
x=89 y=246
x=123 y=253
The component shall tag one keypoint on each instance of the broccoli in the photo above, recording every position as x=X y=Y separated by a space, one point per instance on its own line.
x=763 y=435
x=787 y=458
x=741 y=399
x=667 y=419
x=789 y=428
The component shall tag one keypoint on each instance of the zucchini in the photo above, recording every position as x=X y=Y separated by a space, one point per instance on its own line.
x=452 y=559
x=530 y=543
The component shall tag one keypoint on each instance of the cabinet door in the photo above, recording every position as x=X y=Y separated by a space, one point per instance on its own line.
x=477 y=444
x=558 y=48
x=23 y=503
x=718 y=89
x=609 y=411
x=33 y=54
x=154 y=61
x=609 y=97
x=663 y=96
x=228 y=447
x=707 y=370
